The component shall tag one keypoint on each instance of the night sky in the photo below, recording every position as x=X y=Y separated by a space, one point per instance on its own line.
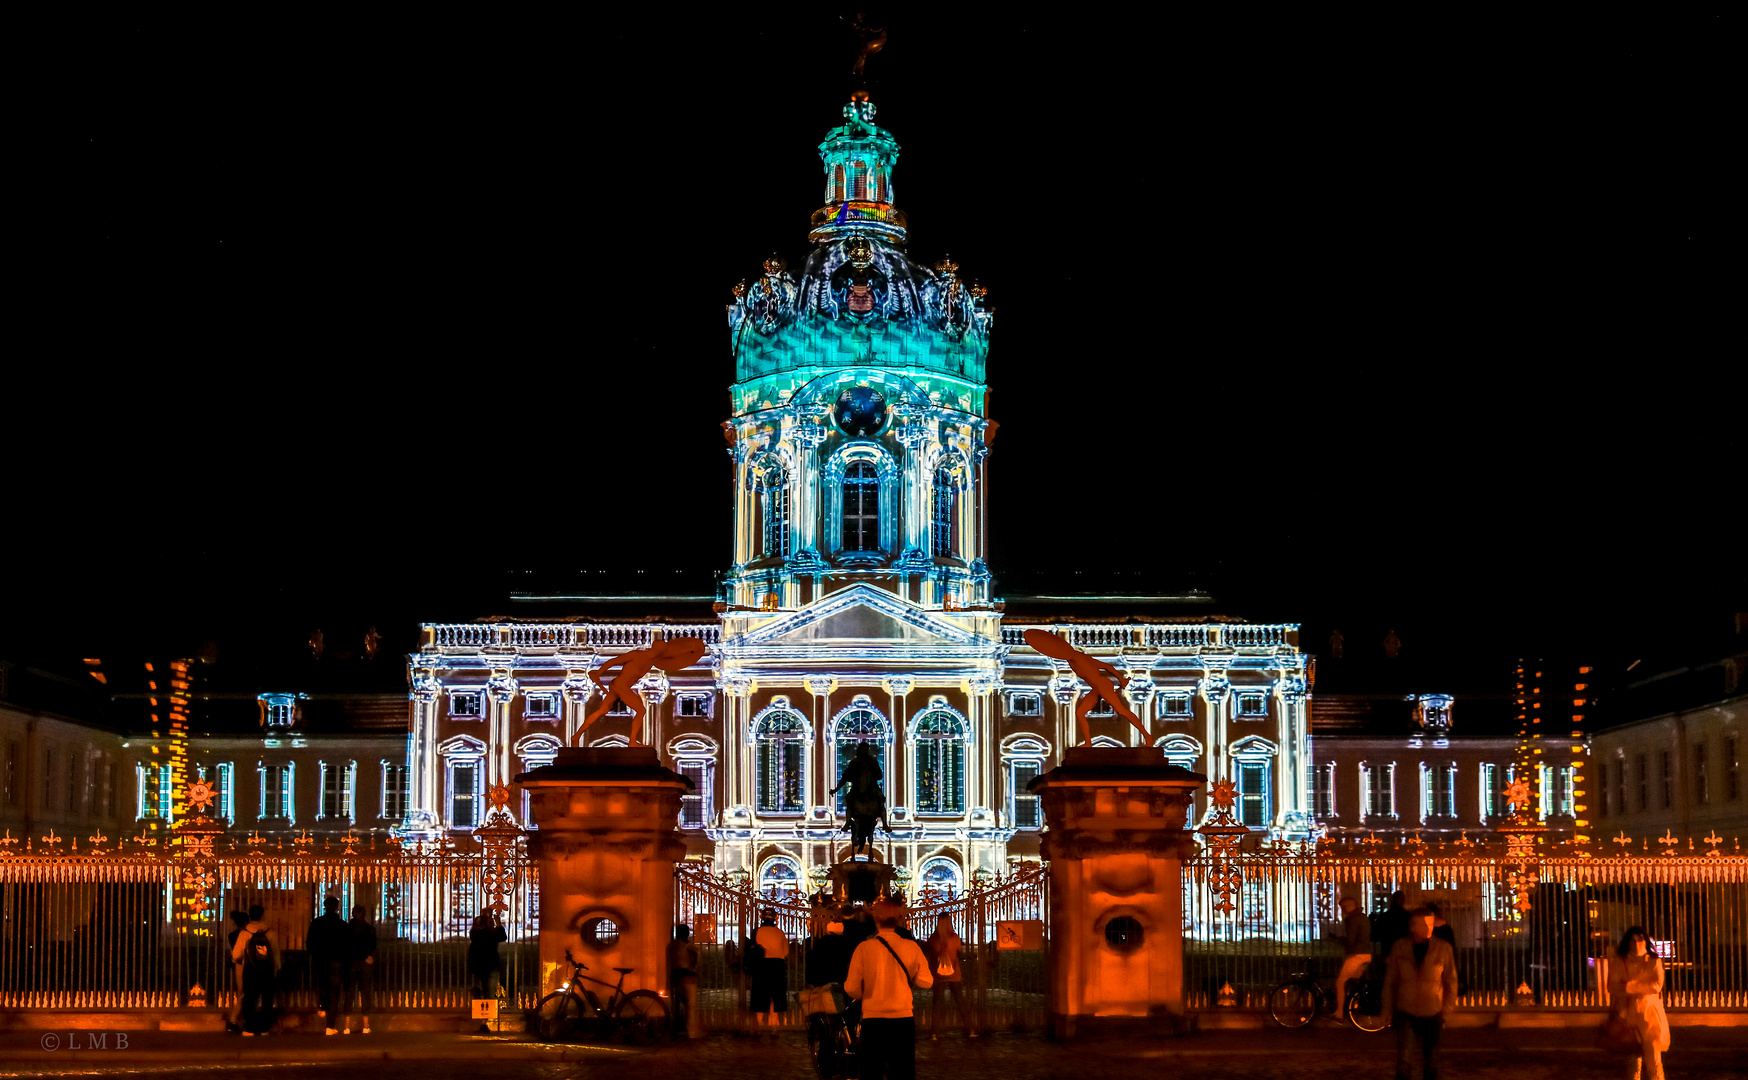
x=1413 y=324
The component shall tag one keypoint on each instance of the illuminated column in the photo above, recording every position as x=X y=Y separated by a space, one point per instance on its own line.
x=898 y=686
x=735 y=691
x=1292 y=762
x=422 y=753
x=1216 y=689
x=804 y=521
x=821 y=686
x=1064 y=688
x=743 y=512
x=577 y=688
x=1139 y=690
x=500 y=692
x=981 y=689
x=654 y=689
x=914 y=551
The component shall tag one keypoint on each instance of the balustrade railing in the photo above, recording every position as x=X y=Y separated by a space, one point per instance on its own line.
x=537 y=636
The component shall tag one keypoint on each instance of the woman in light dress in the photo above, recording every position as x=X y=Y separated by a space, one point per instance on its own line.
x=1635 y=992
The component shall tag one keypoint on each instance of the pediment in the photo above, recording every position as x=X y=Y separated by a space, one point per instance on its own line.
x=859 y=615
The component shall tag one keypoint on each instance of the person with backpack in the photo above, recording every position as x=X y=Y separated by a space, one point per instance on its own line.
x=257 y=951
x=361 y=987
x=885 y=972
x=330 y=946
x=234 y=1018
x=944 y=948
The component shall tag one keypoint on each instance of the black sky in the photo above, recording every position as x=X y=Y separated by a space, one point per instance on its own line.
x=1416 y=323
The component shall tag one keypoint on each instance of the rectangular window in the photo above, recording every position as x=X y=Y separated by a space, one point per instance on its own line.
x=278 y=713
x=694 y=808
x=1644 y=783
x=1176 y=706
x=1026 y=811
x=154 y=781
x=1025 y=705
x=1438 y=785
x=72 y=778
x=1602 y=785
x=336 y=790
x=109 y=786
x=1253 y=706
x=276 y=792
x=1668 y=779
x=544 y=706
x=464 y=795
x=48 y=777
x=695 y=705
x=1701 y=792
x=1556 y=790
x=1378 y=789
x=394 y=791
x=1253 y=794
x=1323 y=790
x=940 y=775
x=1101 y=707
x=224 y=783
x=11 y=778
x=88 y=798
x=464 y=704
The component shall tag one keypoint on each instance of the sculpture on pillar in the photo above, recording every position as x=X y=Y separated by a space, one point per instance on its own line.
x=1097 y=674
x=664 y=655
x=866 y=803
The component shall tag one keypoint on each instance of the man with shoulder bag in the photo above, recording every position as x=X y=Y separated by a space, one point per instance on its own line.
x=885 y=971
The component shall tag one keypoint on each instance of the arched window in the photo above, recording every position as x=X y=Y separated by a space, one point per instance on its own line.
x=780 y=878
x=858 y=724
x=939 y=741
x=861 y=507
x=941 y=517
x=774 y=506
x=837 y=192
x=858 y=180
x=940 y=879
x=1180 y=750
x=781 y=737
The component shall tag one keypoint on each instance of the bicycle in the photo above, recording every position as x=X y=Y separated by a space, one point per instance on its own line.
x=831 y=1042
x=1302 y=998
x=639 y=1017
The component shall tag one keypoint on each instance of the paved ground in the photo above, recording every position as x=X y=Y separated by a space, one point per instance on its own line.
x=1316 y=1054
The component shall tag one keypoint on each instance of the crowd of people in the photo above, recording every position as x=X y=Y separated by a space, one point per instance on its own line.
x=342 y=957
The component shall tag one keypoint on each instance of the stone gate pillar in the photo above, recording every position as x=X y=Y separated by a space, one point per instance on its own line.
x=1115 y=848
x=606 y=841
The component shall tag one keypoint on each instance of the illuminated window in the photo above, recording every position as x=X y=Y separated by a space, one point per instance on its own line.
x=276 y=802
x=1438 y=789
x=941 y=519
x=540 y=706
x=695 y=759
x=1025 y=760
x=1494 y=780
x=464 y=794
x=1323 y=790
x=1176 y=706
x=774 y=507
x=154 y=791
x=940 y=879
x=223 y=778
x=1378 y=789
x=1252 y=705
x=1556 y=790
x=780 y=741
x=938 y=744
x=780 y=879
x=1180 y=750
x=695 y=705
x=1253 y=769
x=861 y=518
x=859 y=724
x=338 y=782
x=464 y=703
x=858 y=181
x=394 y=791
x=1025 y=705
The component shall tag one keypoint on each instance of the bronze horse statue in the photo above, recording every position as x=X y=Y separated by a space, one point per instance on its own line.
x=865 y=805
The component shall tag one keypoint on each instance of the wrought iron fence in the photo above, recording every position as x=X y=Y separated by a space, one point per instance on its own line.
x=144 y=926
x=1542 y=937
x=1004 y=987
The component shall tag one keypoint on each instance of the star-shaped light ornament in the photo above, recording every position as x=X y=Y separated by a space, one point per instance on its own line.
x=200 y=795
x=499 y=796
x=1224 y=793
x=1517 y=793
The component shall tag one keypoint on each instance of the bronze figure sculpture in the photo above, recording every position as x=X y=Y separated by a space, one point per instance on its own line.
x=663 y=655
x=1097 y=674
x=866 y=803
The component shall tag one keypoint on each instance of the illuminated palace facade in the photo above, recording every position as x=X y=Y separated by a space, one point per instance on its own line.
x=859 y=606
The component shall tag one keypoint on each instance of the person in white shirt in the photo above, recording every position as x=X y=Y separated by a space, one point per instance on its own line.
x=885 y=972
x=771 y=974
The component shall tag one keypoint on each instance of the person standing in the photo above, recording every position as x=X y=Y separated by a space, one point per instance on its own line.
x=234 y=1018
x=885 y=972
x=1420 y=990
x=1356 y=945
x=483 y=963
x=1635 y=993
x=771 y=975
x=683 y=978
x=1392 y=925
x=330 y=945
x=361 y=986
x=257 y=951
x=944 y=951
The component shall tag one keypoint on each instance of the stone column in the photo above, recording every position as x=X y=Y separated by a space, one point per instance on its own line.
x=1216 y=690
x=821 y=687
x=654 y=688
x=576 y=688
x=500 y=692
x=1115 y=848
x=1295 y=809
x=606 y=842
x=898 y=762
x=422 y=776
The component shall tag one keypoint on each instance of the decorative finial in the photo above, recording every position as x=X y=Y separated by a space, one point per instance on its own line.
x=869 y=40
x=776 y=264
x=947 y=265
